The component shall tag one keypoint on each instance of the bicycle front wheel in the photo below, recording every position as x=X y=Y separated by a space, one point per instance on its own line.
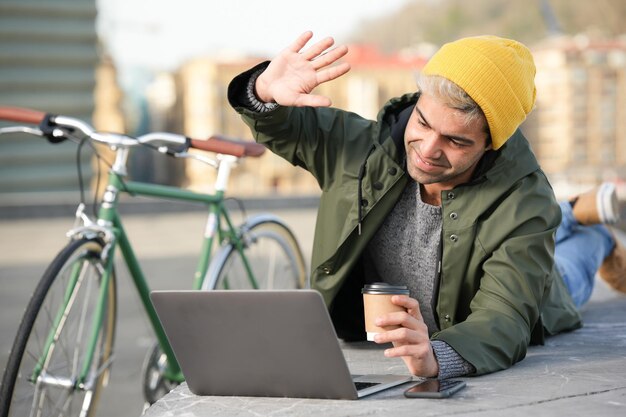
x=48 y=372
x=266 y=256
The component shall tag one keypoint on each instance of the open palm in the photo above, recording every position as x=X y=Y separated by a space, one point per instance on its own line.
x=293 y=74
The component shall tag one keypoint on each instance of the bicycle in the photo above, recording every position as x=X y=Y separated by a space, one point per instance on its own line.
x=63 y=351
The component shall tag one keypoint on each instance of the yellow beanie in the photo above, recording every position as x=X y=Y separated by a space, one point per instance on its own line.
x=497 y=73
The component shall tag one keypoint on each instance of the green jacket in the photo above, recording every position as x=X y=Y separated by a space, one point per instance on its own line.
x=498 y=289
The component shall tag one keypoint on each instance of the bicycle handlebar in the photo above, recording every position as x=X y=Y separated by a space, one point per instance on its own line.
x=217 y=143
x=20 y=115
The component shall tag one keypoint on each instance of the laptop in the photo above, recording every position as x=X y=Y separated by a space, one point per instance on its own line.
x=268 y=343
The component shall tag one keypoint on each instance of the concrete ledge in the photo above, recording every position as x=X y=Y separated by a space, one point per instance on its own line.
x=578 y=373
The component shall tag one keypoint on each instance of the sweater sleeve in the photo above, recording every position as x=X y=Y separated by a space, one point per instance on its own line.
x=242 y=92
x=451 y=364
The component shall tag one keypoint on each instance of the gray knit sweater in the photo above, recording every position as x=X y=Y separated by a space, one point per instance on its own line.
x=404 y=251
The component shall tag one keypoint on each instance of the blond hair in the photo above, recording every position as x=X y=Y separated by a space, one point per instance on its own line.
x=451 y=95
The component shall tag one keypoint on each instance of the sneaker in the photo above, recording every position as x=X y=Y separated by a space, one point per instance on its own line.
x=599 y=205
x=613 y=269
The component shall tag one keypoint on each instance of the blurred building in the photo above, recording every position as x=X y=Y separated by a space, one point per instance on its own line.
x=48 y=57
x=203 y=84
x=373 y=79
x=159 y=110
x=108 y=116
x=578 y=129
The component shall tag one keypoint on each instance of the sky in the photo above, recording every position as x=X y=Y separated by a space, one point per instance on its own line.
x=161 y=34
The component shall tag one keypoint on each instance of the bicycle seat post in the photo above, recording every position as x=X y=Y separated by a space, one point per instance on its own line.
x=226 y=162
x=121 y=157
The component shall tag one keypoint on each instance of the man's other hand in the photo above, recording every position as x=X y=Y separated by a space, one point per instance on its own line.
x=411 y=341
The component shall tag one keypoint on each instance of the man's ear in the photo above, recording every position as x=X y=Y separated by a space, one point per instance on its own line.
x=489 y=145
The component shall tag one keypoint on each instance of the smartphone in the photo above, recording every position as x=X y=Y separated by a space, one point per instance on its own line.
x=433 y=388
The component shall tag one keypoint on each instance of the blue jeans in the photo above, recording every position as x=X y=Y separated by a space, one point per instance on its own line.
x=579 y=253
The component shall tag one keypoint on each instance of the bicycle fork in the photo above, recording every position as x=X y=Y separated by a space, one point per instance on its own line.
x=83 y=380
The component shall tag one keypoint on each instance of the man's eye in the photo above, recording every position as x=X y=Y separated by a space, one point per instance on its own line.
x=457 y=142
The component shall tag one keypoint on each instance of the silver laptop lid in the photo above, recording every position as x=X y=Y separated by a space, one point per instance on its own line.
x=255 y=343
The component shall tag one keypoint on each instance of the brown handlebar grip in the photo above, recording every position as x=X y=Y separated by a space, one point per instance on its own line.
x=217 y=146
x=17 y=114
x=251 y=148
x=229 y=146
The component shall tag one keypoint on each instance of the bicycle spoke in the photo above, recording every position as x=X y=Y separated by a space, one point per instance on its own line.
x=59 y=328
x=269 y=259
x=271 y=268
x=37 y=405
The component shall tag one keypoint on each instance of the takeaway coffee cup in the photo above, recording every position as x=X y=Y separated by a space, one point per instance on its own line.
x=377 y=302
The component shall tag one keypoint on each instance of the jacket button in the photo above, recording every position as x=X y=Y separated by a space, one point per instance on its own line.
x=454 y=238
x=326 y=270
x=447 y=317
x=392 y=171
x=450 y=195
x=378 y=185
x=364 y=203
x=454 y=216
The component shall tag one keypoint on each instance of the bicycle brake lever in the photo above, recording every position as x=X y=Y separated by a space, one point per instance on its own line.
x=200 y=158
x=173 y=150
x=51 y=131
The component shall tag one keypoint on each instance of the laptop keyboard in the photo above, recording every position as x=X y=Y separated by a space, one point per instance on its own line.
x=362 y=385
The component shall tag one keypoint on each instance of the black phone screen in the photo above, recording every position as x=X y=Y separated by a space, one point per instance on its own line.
x=433 y=388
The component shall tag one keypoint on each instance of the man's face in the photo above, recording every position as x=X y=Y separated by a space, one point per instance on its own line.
x=440 y=147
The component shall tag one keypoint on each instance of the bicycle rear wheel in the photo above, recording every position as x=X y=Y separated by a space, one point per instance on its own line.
x=49 y=351
x=268 y=257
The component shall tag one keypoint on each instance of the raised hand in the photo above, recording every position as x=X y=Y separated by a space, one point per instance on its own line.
x=294 y=73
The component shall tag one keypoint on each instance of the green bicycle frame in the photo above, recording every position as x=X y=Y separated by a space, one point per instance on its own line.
x=219 y=226
x=217 y=216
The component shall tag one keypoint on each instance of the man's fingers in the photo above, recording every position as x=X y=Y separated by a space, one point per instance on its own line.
x=302 y=40
x=317 y=48
x=402 y=335
x=298 y=70
x=411 y=330
x=332 y=73
x=410 y=304
x=405 y=301
x=398 y=318
x=329 y=57
x=416 y=351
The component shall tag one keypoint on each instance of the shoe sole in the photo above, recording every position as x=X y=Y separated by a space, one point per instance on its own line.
x=607 y=203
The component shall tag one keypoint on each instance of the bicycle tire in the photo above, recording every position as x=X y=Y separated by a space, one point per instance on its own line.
x=17 y=395
x=272 y=249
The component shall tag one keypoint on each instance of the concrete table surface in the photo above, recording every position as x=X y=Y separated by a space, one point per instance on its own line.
x=580 y=373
